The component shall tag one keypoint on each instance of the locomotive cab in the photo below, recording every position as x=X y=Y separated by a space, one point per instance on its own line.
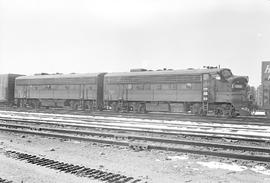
x=230 y=93
x=239 y=93
x=226 y=74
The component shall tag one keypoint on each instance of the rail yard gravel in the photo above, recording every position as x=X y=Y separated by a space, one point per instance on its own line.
x=149 y=166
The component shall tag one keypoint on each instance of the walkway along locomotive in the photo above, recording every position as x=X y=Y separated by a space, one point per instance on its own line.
x=196 y=90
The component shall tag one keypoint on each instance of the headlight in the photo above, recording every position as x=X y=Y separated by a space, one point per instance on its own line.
x=238 y=86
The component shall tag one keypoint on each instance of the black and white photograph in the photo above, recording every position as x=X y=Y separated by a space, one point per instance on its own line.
x=134 y=91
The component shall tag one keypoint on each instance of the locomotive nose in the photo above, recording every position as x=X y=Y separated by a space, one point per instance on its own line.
x=239 y=92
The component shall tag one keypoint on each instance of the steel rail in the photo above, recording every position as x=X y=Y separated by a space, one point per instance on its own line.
x=169 y=124
x=178 y=115
x=150 y=130
x=168 y=116
x=156 y=147
x=144 y=138
x=202 y=120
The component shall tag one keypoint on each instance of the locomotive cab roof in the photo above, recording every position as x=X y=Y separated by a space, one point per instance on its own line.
x=169 y=72
x=51 y=76
x=58 y=79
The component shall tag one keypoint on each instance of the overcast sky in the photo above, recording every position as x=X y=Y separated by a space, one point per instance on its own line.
x=85 y=36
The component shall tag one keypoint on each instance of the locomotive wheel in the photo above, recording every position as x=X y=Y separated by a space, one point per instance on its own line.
x=115 y=107
x=23 y=104
x=35 y=105
x=232 y=114
x=89 y=107
x=75 y=106
x=18 y=103
x=135 y=108
x=142 y=108
x=203 y=113
x=219 y=112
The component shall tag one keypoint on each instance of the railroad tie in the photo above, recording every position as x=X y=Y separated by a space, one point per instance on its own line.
x=80 y=171
x=64 y=168
x=5 y=181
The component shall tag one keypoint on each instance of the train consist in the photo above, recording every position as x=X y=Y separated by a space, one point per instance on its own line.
x=198 y=91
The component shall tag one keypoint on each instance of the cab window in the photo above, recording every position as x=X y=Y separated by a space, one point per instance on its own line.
x=226 y=73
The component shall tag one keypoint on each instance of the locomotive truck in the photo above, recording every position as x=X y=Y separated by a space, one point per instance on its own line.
x=198 y=91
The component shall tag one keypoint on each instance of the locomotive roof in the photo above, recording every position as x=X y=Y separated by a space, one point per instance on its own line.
x=166 y=72
x=163 y=72
x=59 y=76
x=58 y=79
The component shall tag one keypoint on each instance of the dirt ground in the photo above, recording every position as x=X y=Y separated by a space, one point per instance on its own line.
x=150 y=166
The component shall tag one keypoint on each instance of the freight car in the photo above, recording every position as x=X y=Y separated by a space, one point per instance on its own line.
x=196 y=90
x=7 y=83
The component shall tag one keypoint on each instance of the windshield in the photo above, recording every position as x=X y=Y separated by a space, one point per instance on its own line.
x=226 y=73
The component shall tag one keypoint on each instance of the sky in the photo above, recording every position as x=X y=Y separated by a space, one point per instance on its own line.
x=86 y=36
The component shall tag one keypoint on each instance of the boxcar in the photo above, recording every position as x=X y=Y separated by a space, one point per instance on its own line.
x=70 y=90
x=195 y=90
x=7 y=82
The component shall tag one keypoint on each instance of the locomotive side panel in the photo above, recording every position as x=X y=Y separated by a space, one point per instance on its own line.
x=198 y=90
x=189 y=92
x=75 y=90
x=223 y=92
x=153 y=91
x=164 y=94
x=139 y=95
x=153 y=88
x=156 y=92
x=90 y=91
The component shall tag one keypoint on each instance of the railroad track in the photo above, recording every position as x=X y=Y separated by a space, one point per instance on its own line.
x=136 y=137
x=158 y=116
x=236 y=132
x=189 y=124
x=119 y=118
x=4 y=180
x=80 y=171
x=182 y=116
x=144 y=142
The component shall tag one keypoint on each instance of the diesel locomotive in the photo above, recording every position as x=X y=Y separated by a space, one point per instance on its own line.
x=197 y=91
